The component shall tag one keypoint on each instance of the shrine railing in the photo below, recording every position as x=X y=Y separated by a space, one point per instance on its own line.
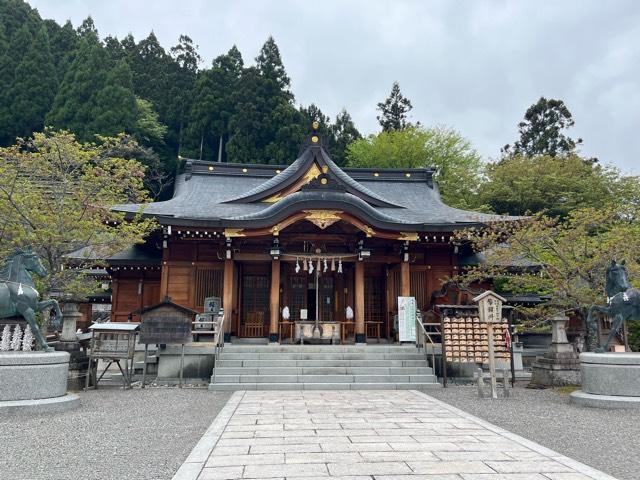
x=423 y=340
x=218 y=343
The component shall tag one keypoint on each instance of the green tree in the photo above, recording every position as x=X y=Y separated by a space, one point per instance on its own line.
x=16 y=14
x=183 y=74
x=541 y=131
x=343 y=133
x=88 y=30
x=63 y=42
x=570 y=256
x=16 y=51
x=56 y=194
x=265 y=126
x=394 y=110
x=74 y=105
x=114 y=105
x=148 y=128
x=213 y=104
x=520 y=185
x=271 y=68
x=458 y=164
x=34 y=88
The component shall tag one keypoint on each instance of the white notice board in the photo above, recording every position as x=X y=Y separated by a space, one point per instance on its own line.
x=407 y=319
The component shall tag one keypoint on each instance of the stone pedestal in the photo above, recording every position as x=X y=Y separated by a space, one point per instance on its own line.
x=609 y=380
x=35 y=382
x=79 y=361
x=559 y=366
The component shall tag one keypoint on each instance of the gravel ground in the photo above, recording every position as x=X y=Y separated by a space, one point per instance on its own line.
x=114 y=434
x=608 y=440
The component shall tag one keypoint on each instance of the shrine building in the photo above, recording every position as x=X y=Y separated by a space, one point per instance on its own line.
x=328 y=243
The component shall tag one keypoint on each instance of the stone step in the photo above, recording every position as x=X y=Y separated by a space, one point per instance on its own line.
x=320 y=356
x=322 y=370
x=222 y=362
x=322 y=386
x=324 y=378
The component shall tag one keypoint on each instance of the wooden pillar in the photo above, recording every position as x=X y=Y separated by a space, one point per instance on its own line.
x=274 y=301
x=227 y=297
x=359 y=302
x=405 y=280
x=164 y=275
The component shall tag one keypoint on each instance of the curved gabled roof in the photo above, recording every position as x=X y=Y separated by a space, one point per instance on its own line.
x=295 y=173
x=220 y=195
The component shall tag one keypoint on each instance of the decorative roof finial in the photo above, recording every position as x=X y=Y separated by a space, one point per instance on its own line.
x=315 y=125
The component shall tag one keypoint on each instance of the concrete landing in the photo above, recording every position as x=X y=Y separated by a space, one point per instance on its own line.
x=377 y=435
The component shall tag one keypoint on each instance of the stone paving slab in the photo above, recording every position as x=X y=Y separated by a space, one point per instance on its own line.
x=372 y=435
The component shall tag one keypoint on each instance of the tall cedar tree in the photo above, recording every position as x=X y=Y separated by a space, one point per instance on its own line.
x=63 y=42
x=394 y=110
x=18 y=47
x=74 y=108
x=213 y=105
x=541 y=130
x=34 y=87
x=15 y=14
x=265 y=125
x=184 y=71
x=114 y=106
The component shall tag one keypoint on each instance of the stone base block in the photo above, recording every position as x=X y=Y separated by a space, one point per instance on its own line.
x=41 y=406
x=609 y=380
x=33 y=375
x=198 y=362
x=549 y=375
x=604 y=401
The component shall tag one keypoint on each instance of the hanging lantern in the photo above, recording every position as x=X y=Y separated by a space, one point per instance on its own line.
x=339 y=265
x=333 y=264
x=325 y=265
x=297 y=265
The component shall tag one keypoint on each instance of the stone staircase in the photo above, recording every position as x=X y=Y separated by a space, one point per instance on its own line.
x=322 y=367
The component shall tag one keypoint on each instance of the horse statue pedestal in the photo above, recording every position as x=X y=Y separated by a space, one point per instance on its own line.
x=35 y=383
x=609 y=380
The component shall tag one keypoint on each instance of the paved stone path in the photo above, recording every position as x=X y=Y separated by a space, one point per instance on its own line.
x=352 y=435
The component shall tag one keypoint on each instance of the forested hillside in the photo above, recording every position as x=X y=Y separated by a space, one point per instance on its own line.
x=69 y=77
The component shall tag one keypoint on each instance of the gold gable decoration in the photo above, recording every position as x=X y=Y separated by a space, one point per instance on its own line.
x=323 y=218
x=309 y=176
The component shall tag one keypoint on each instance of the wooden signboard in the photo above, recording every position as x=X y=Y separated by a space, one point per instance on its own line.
x=166 y=330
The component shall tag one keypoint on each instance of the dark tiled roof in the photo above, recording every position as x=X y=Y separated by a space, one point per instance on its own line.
x=212 y=194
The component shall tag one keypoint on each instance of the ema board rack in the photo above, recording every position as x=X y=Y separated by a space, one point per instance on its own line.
x=465 y=339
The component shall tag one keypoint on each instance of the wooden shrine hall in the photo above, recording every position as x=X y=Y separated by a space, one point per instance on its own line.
x=286 y=245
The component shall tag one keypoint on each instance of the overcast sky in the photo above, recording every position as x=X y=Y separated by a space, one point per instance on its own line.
x=473 y=65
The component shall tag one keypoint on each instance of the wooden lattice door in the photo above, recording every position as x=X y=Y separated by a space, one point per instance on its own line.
x=255 y=304
x=374 y=305
x=326 y=298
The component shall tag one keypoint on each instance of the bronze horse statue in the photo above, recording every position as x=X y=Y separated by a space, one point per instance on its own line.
x=623 y=302
x=18 y=295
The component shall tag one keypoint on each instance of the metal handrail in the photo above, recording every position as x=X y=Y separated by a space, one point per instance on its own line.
x=425 y=335
x=218 y=343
